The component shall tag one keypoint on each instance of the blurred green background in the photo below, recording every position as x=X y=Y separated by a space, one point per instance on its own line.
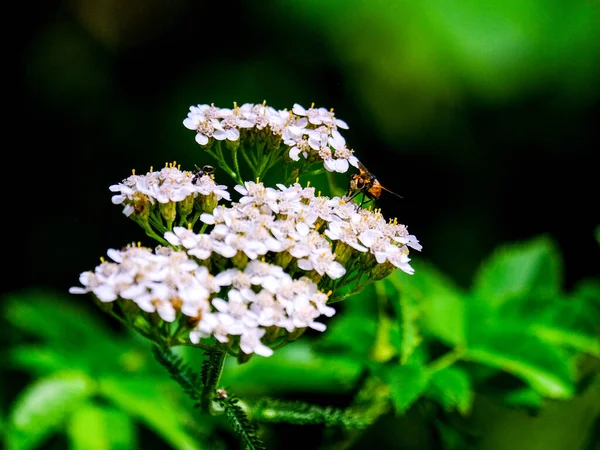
x=482 y=115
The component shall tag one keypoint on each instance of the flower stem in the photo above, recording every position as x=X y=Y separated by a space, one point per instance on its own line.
x=218 y=155
x=150 y=232
x=236 y=166
x=213 y=371
x=446 y=360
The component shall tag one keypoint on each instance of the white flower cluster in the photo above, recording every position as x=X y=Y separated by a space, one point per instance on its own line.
x=310 y=133
x=292 y=219
x=170 y=184
x=168 y=281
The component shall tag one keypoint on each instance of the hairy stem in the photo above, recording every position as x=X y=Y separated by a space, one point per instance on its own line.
x=213 y=369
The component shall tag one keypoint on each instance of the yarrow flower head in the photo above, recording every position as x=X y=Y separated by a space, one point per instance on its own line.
x=162 y=196
x=233 y=305
x=248 y=269
x=298 y=136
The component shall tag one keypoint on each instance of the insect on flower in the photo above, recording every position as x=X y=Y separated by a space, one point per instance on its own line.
x=367 y=183
x=199 y=173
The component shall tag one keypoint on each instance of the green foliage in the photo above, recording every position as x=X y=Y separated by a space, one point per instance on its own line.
x=452 y=387
x=407 y=382
x=101 y=427
x=43 y=407
x=190 y=382
x=245 y=430
x=151 y=401
x=301 y=413
x=434 y=52
x=516 y=335
x=408 y=345
x=410 y=337
x=531 y=268
x=90 y=384
x=441 y=303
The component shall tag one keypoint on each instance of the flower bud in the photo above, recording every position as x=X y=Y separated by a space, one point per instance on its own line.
x=343 y=252
x=232 y=145
x=208 y=202
x=271 y=335
x=381 y=271
x=185 y=207
x=168 y=211
x=141 y=206
x=244 y=357
x=283 y=259
x=295 y=334
x=240 y=260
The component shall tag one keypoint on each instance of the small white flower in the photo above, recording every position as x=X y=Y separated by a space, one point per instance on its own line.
x=219 y=325
x=250 y=342
x=323 y=263
x=304 y=314
x=182 y=236
x=236 y=307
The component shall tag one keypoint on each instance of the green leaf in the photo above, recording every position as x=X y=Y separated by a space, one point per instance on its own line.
x=453 y=437
x=43 y=406
x=406 y=383
x=372 y=399
x=349 y=333
x=517 y=269
x=524 y=398
x=568 y=338
x=38 y=360
x=584 y=302
x=156 y=402
x=63 y=323
x=245 y=430
x=53 y=316
x=509 y=348
x=440 y=303
x=94 y=427
x=452 y=388
x=295 y=367
x=410 y=336
x=297 y=412
x=588 y=291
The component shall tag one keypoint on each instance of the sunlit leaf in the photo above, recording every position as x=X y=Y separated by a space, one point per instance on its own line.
x=527 y=357
x=388 y=337
x=568 y=338
x=159 y=405
x=410 y=335
x=439 y=302
x=38 y=360
x=295 y=367
x=517 y=269
x=43 y=406
x=452 y=388
x=350 y=333
x=406 y=382
x=94 y=427
x=372 y=400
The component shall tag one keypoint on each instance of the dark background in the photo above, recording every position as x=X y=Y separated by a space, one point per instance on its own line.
x=484 y=119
